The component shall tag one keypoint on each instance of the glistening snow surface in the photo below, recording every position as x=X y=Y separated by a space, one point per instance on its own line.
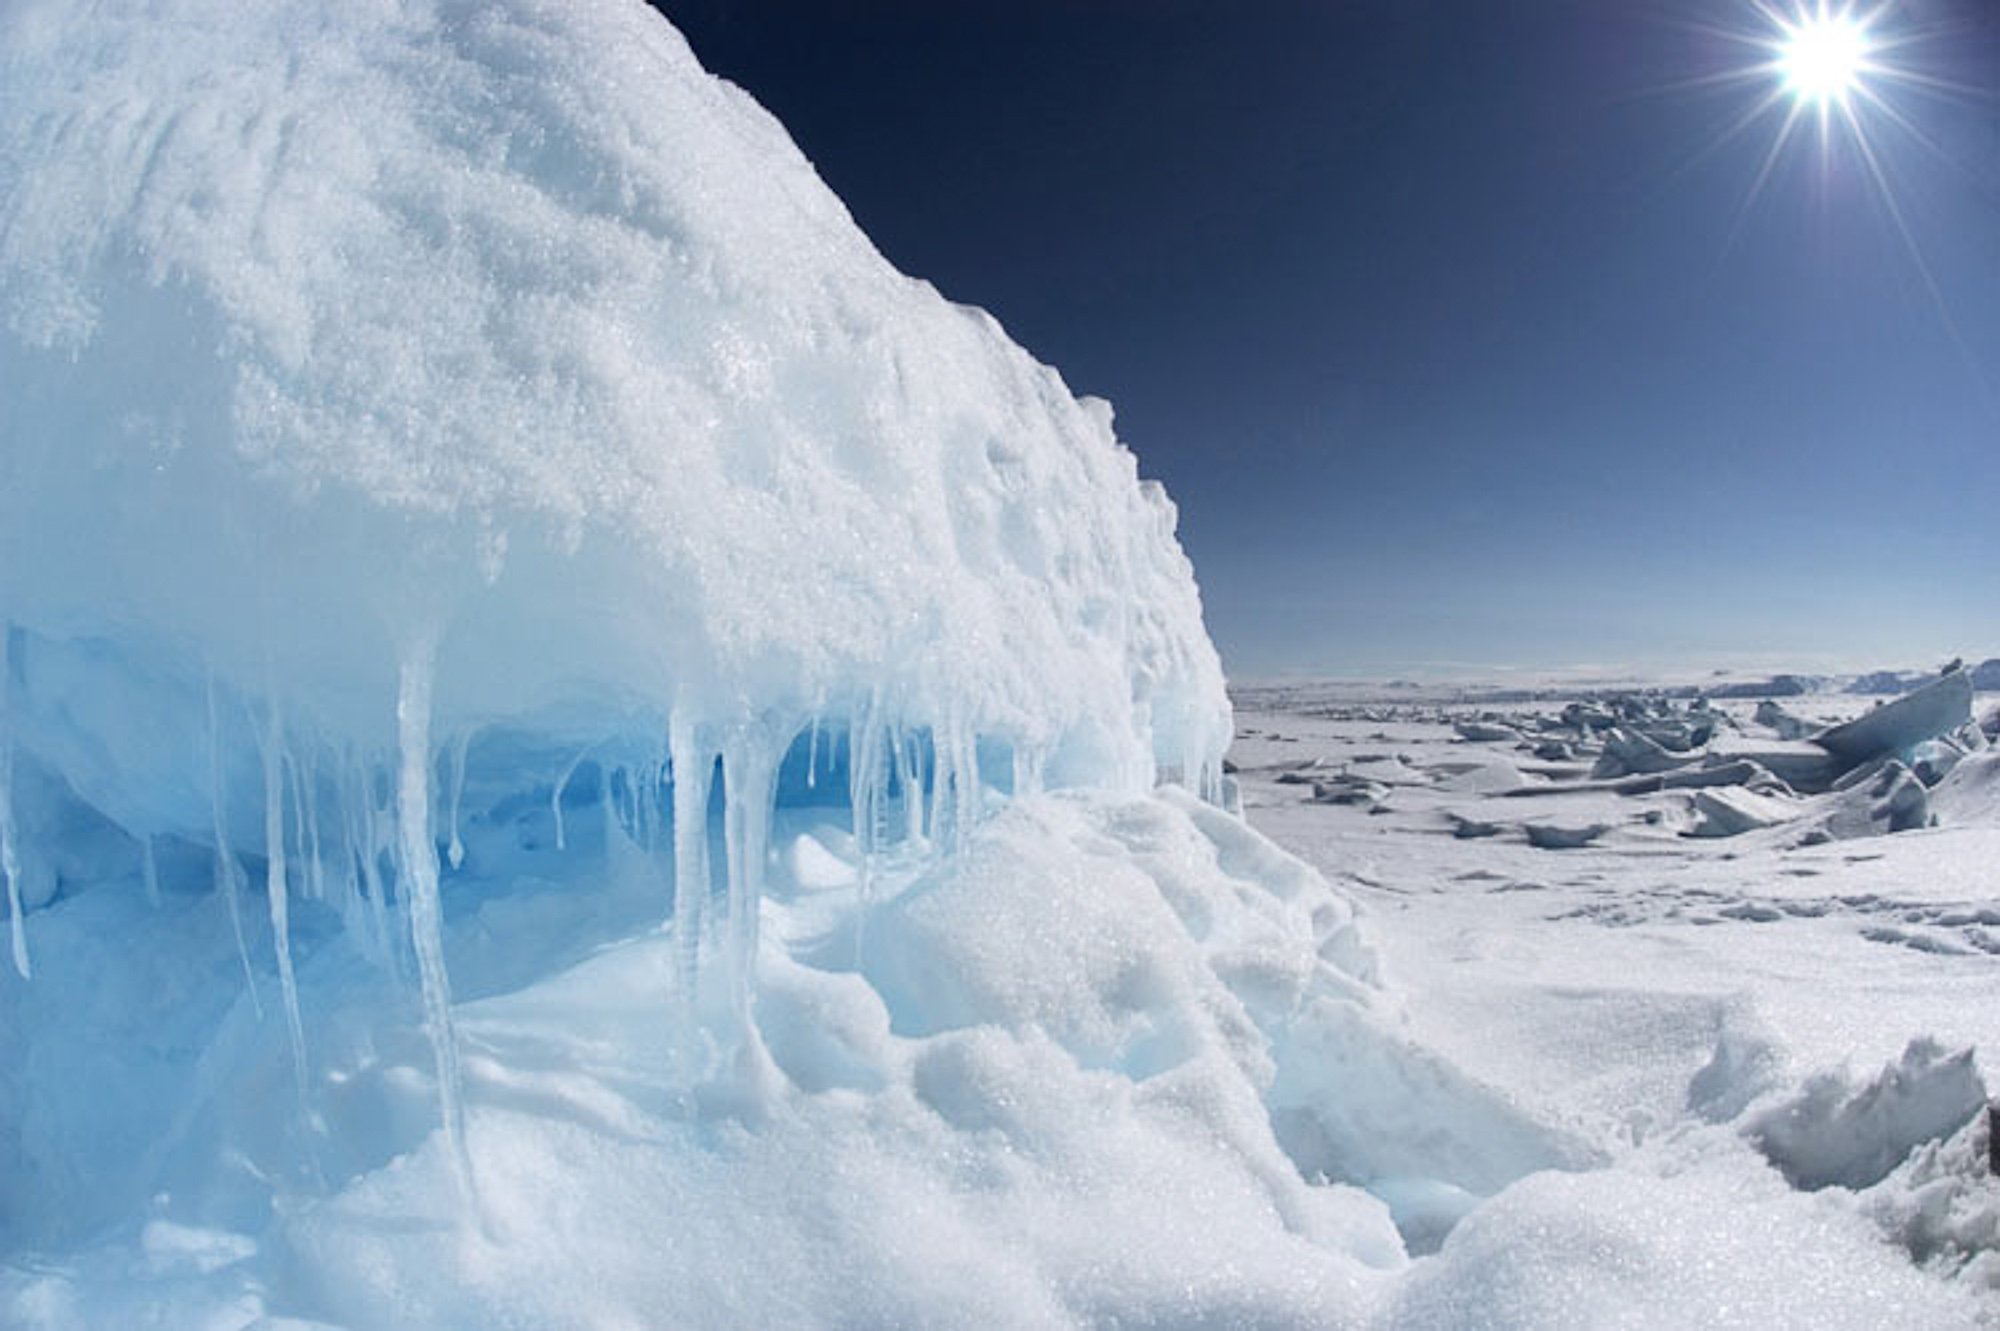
x=382 y=375
x=470 y=498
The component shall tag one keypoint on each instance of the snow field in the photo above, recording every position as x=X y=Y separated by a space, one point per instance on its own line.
x=1771 y=1042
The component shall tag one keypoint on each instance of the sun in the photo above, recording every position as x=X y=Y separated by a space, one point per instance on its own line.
x=1822 y=57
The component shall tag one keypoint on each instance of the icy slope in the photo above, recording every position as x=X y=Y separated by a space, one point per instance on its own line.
x=482 y=393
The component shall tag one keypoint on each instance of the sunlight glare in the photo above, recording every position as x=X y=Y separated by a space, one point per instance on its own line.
x=1823 y=57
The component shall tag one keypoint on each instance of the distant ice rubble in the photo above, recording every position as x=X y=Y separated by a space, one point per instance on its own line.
x=1910 y=762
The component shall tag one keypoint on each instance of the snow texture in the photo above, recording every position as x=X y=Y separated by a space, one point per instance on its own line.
x=408 y=400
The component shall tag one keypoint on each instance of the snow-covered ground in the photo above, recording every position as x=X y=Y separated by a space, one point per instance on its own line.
x=1771 y=1015
x=578 y=751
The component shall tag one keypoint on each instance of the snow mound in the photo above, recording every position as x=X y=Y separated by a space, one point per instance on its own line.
x=1834 y=1133
x=1969 y=794
x=967 y=1089
x=417 y=410
x=1633 y=1248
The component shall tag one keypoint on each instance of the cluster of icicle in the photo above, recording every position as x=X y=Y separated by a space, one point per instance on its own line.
x=361 y=833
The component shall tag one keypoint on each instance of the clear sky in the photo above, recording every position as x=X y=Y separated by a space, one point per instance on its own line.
x=1466 y=334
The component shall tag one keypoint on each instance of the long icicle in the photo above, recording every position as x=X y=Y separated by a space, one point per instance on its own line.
x=277 y=891
x=149 y=868
x=562 y=786
x=455 y=851
x=10 y=862
x=693 y=771
x=749 y=778
x=420 y=879
x=228 y=873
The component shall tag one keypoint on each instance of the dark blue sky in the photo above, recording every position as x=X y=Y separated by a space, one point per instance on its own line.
x=1453 y=326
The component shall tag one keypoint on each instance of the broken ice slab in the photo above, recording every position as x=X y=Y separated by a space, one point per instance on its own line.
x=1469 y=829
x=1925 y=712
x=1801 y=764
x=1551 y=836
x=1933 y=759
x=1786 y=725
x=1731 y=810
x=1486 y=732
x=1347 y=789
x=1881 y=797
x=1628 y=752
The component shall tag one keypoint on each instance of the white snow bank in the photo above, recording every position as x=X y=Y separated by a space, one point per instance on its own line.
x=1665 y=1247
x=968 y=1090
x=418 y=414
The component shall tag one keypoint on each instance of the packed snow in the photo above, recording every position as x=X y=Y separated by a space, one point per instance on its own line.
x=576 y=750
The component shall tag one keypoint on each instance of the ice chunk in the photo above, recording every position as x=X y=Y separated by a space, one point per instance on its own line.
x=1557 y=836
x=1774 y=717
x=1870 y=801
x=1630 y=752
x=1837 y=1133
x=1732 y=810
x=1931 y=709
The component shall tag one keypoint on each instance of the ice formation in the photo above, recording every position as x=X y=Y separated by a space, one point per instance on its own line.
x=483 y=540
x=412 y=399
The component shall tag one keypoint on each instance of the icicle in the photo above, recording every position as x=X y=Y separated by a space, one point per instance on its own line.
x=693 y=770
x=365 y=849
x=562 y=784
x=913 y=790
x=420 y=880
x=455 y=852
x=940 y=792
x=317 y=852
x=812 y=754
x=963 y=742
x=305 y=824
x=868 y=779
x=276 y=891
x=228 y=873
x=149 y=868
x=10 y=862
x=749 y=778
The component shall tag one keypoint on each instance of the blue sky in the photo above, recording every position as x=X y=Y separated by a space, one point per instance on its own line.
x=1458 y=330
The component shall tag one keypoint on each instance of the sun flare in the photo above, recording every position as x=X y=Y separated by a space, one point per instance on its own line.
x=1822 y=57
